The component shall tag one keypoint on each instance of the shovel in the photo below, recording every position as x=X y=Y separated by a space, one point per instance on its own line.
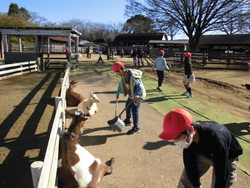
x=116 y=123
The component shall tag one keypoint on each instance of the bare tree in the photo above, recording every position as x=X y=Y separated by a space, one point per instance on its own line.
x=193 y=17
x=36 y=19
x=73 y=23
x=99 y=32
x=235 y=23
x=94 y=32
x=170 y=27
x=114 y=29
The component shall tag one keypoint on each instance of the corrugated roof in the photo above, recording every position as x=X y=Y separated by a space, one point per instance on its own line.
x=226 y=39
x=168 y=42
x=73 y=31
x=145 y=37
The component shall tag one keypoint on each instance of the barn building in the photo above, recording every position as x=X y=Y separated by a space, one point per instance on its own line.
x=140 y=41
x=239 y=43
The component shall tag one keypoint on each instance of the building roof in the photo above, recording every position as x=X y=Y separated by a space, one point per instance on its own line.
x=239 y=39
x=49 y=31
x=142 y=37
x=168 y=42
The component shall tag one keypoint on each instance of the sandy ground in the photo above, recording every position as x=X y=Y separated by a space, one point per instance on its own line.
x=142 y=160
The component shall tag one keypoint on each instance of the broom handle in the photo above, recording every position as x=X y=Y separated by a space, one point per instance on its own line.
x=116 y=107
x=125 y=108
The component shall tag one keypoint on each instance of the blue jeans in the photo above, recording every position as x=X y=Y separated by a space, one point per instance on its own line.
x=133 y=111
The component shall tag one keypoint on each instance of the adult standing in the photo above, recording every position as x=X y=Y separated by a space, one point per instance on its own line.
x=140 y=56
x=113 y=53
x=90 y=51
x=122 y=53
x=87 y=52
x=160 y=64
x=188 y=74
x=204 y=145
x=100 y=57
x=134 y=55
x=130 y=85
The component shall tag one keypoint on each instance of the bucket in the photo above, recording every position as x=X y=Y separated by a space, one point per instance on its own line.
x=116 y=123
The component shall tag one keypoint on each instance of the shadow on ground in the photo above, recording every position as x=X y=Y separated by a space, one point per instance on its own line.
x=15 y=169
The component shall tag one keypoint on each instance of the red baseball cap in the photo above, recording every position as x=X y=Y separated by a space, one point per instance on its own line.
x=187 y=54
x=116 y=66
x=174 y=123
x=161 y=52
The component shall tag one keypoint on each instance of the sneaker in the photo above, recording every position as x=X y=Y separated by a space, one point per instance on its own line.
x=190 y=96
x=185 y=93
x=127 y=122
x=133 y=131
x=158 y=89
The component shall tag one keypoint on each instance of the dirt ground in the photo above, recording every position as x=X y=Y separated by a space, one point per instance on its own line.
x=142 y=160
x=219 y=87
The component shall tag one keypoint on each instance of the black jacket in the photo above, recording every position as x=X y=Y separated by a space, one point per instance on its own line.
x=187 y=66
x=217 y=143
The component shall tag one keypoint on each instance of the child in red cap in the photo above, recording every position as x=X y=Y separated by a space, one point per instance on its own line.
x=130 y=85
x=204 y=145
x=188 y=74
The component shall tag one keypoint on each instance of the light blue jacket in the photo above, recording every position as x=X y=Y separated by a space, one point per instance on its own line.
x=160 y=64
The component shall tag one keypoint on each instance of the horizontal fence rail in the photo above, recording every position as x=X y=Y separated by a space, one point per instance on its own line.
x=46 y=174
x=15 y=69
x=225 y=60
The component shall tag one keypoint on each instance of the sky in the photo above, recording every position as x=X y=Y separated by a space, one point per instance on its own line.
x=58 y=11
x=97 y=11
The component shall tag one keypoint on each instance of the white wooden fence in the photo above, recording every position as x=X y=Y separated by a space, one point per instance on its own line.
x=15 y=69
x=44 y=174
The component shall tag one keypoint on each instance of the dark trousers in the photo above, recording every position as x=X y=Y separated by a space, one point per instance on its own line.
x=100 y=59
x=203 y=165
x=160 y=75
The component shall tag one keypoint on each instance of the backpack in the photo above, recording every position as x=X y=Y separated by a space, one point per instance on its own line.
x=136 y=73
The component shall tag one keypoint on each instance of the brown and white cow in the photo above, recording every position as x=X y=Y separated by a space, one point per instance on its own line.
x=77 y=167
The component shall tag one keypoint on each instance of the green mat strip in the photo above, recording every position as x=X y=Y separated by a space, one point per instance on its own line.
x=201 y=111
